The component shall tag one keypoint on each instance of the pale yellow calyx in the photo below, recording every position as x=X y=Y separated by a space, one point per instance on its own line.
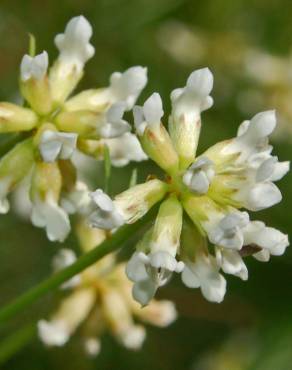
x=38 y=94
x=167 y=227
x=46 y=181
x=158 y=146
x=92 y=99
x=63 y=79
x=14 y=118
x=17 y=163
x=83 y=122
x=201 y=209
x=185 y=135
x=136 y=201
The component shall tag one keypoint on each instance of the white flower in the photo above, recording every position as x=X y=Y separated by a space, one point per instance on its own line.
x=127 y=86
x=57 y=145
x=228 y=232
x=149 y=272
x=194 y=97
x=34 y=67
x=114 y=125
x=77 y=200
x=133 y=337
x=53 y=333
x=72 y=312
x=73 y=44
x=106 y=215
x=124 y=149
x=199 y=176
x=148 y=115
x=49 y=215
x=64 y=258
x=267 y=238
x=204 y=273
x=231 y=262
x=5 y=184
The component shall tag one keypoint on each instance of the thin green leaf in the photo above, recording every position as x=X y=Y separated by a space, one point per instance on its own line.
x=134 y=177
x=32 y=45
x=107 y=168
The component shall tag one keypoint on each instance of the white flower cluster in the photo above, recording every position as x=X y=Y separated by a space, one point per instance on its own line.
x=211 y=189
x=100 y=299
x=61 y=126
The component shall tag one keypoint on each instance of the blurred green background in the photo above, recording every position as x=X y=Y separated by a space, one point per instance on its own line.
x=252 y=328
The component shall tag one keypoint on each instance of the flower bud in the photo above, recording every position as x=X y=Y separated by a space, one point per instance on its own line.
x=136 y=201
x=14 y=166
x=34 y=83
x=45 y=194
x=124 y=88
x=155 y=260
x=92 y=125
x=14 y=118
x=73 y=310
x=185 y=120
x=75 y=50
x=153 y=136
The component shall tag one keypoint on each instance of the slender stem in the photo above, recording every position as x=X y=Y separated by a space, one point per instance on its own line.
x=86 y=260
x=16 y=341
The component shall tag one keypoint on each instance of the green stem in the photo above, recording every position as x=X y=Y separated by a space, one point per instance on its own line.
x=86 y=260
x=16 y=341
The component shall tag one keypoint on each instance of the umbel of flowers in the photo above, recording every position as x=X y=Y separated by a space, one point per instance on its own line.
x=201 y=228
x=100 y=300
x=55 y=124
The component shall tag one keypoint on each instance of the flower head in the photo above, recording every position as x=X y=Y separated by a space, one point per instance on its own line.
x=58 y=126
x=100 y=300
x=204 y=197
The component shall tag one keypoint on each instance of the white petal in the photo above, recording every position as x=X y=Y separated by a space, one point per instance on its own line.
x=263 y=124
x=214 y=288
x=54 y=145
x=280 y=170
x=49 y=215
x=262 y=195
x=74 y=44
x=105 y=216
x=34 y=67
x=231 y=263
x=201 y=81
x=124 y=149
x=163 y=260
x=133 y=337
x=52 y=333
x=262 y=256
x=144 y=291
x=127 y=86
x=102 y=200
x=135 y=268
x=189 y=278
x=153 y=110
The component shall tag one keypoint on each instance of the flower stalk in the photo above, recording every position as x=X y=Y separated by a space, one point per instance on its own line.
x=108 y=246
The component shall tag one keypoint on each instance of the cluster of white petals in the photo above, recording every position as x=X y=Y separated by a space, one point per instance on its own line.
x=212 y=189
